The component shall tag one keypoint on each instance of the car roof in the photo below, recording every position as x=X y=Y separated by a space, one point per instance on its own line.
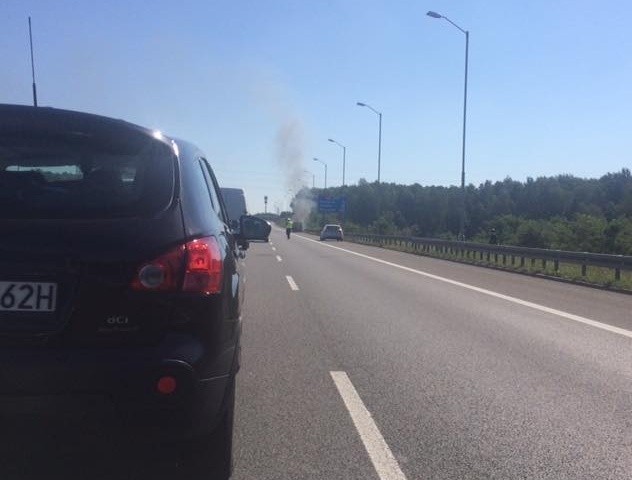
x=56 y=120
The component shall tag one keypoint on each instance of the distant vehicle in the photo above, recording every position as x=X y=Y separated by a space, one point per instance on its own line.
x=235 y=202
x=332 y=231
x=120 y=287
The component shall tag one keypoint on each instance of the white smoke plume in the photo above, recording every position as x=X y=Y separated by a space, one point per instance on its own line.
x=290 y=144
x=290 y=141
x=302 y=207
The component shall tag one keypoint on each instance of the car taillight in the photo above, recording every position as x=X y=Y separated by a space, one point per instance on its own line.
x=195 y=267
x=162 y=273
x=204 y=266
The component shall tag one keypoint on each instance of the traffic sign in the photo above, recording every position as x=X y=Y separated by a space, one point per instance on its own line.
x=332 y=204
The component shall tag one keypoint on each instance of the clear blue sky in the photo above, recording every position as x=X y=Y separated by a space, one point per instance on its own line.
x=260 y=85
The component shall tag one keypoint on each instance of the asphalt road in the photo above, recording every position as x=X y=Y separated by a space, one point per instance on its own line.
x=441 y=370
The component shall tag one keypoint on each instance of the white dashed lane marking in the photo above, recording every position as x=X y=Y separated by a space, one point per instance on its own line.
x=379 y=452
x=292 y=283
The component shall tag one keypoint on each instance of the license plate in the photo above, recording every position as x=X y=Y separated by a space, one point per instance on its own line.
x=28 y=296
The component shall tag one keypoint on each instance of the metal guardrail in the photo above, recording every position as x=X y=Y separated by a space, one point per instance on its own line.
x=508 y=255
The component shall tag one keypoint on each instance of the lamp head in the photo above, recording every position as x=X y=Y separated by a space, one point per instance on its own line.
x=433 y=14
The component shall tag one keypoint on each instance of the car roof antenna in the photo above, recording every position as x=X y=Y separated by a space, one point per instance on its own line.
x=32 y=65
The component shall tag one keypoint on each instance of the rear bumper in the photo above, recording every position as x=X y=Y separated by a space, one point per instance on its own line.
x=111 y=390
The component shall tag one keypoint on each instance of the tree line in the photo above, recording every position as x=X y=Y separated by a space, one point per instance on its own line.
x=562 y=212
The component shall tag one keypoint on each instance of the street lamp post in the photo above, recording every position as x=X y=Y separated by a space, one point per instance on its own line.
x=320 y=161
x=344 y=156
x=379 y=138
x=467 y=46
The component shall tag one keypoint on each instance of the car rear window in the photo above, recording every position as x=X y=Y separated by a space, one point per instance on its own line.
x=79 y=175
x=332 y=228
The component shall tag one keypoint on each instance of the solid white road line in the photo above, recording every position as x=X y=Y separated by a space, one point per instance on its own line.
x=292 y=283
x=535 y=306
x=279 y=259
x=380 y=454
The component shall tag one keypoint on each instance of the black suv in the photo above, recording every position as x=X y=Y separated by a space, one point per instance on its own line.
x=120 y=293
